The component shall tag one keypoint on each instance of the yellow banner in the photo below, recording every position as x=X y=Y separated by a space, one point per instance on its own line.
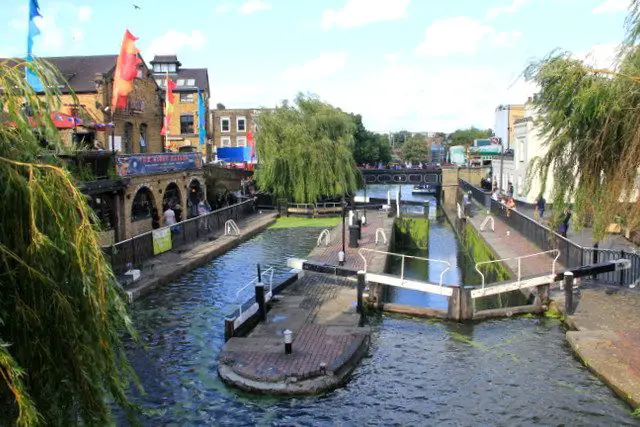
x=161 y=240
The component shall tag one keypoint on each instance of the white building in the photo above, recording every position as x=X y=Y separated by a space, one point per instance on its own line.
x=527 y=145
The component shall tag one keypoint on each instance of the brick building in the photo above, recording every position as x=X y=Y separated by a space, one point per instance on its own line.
x=136 y=129
x=230 y=127
x=183 y=128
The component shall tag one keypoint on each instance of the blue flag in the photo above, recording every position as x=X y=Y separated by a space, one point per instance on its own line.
x=202 y=131
x=32 y=78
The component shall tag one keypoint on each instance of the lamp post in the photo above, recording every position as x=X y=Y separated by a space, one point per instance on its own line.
x=341 y=254
x=501 y=163
x=364 y=209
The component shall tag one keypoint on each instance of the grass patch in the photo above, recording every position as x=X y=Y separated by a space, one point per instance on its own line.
x=294 y=221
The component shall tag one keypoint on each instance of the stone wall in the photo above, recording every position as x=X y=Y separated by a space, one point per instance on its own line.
x=229 y=178
x=450 y=177
x=216 y=130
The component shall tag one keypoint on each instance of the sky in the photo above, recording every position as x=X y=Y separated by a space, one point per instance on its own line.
x=420 y=65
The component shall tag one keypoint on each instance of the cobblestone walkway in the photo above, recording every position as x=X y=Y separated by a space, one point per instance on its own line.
x=320 y=310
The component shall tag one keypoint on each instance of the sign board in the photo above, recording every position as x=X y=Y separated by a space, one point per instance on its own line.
x=161 y=240
x=140 y=164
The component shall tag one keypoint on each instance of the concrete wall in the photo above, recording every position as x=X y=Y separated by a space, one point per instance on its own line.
x=450 y=176
x=229 y=178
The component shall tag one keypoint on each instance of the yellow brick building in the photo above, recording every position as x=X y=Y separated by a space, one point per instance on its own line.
x=183 y=128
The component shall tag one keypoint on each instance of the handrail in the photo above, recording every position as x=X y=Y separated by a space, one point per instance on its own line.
x=519 y=260
x=327 y=237
x=230 y=226
x=384 y=236
x=488 y=219
x=253 y=282
x=403 y=257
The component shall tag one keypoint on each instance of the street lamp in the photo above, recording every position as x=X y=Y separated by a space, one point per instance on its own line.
x=364 y=209
x=341 y=254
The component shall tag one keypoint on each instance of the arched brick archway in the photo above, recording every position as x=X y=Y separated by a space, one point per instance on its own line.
x=171 y=195
x=195 y=193
x=143 y=204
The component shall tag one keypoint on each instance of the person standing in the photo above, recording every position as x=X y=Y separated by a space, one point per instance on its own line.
x=510 y=190
x=510 y=205
x=564 y=225
x=178 y=211
x=169 y=216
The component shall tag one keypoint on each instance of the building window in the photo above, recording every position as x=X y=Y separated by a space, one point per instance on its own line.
x=241 y=141
x=143 y=138
x=186 y=97
x=180 y=82
x=172 y=68
x=186 y=123
x=191 y=82
x=520 y=153
x=225 y=141
x=241 y=124
x=225 y=124
x=156 y=68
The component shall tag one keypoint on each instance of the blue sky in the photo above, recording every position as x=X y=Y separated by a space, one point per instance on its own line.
x=403 y=64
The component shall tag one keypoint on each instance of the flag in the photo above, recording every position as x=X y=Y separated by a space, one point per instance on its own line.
x=202 y=131
x=32 y=78
x=126 y=71
x=168 y=105
x=251 y=144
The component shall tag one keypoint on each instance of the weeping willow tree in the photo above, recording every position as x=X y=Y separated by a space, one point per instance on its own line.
x=590 y=119
x=305 y=151
x=62 y=315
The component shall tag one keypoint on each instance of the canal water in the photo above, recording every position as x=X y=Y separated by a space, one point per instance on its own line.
x=517 y=371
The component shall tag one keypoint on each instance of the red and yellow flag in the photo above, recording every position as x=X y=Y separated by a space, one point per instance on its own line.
x=126 y=71
x=168 y=108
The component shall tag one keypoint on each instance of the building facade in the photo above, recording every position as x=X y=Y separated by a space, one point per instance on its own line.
x=527 y=146
x=230 y=129
x=136 y=129
x=505 y=118
x=183 y=127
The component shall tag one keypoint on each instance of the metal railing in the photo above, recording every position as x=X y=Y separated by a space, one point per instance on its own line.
x=253 y=282
x=327 y=237
x=231 y=226
x=572 y=254
x=138 y=249
x=519 y=262
x=403 y=257
x=380 y=232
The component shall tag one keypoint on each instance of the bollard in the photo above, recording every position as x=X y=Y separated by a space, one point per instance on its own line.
x=288 y=340
x=260 y=298
x=360 y=293
x=341 y=258
x=353 y=236
x=259 y=273
x=568 y=293
x=228 y=329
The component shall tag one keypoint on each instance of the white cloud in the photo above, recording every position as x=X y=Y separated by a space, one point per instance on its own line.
x=461 y=34
x=77 y=35
x=325 y=65
x=84 y=13
x=600 y=56
x=610 y=6
x=392 y=57
x=356 y=13
x=51 y=35
x=172 y=42
x=252 y=6
x=515 y=5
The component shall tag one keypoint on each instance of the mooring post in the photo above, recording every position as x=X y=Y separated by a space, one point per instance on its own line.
x=228 y=329
x=453 y=309
x=568 y=292
x=260 y=297
x=542 y=295
x=288 y=341
x=360 y=293
x=466 y=303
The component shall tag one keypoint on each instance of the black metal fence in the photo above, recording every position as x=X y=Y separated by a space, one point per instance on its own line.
x=138 y=249
x=571 y=254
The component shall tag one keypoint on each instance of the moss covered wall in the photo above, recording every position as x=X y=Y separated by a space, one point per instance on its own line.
x=478 y=250
x=411 y=233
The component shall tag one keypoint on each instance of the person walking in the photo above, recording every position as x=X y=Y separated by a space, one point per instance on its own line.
x=510 y=205
x=564 y=225
x=540 y=206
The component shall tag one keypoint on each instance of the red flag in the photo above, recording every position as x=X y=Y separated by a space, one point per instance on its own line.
x=168 y=107
x=126 y=71
x=251 y=144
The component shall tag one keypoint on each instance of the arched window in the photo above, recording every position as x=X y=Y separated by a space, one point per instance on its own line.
x=172 y=196
x=127 y=138
x=143 y=138
x=143 y=205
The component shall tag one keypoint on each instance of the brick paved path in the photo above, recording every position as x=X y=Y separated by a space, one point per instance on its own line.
x=320 y=310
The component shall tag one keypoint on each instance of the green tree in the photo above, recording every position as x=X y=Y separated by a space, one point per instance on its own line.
x=590 y=120
x=369 y=147
x=466 y=136
x=305 y=151
x=62 y=313
x=415 y=150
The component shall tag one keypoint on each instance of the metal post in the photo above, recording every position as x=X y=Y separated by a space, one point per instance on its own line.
x=361 y=284
x=260 y=300
x=568 y=293
x=622 y=255
x=259 y=273
x=501 y=164
x=341 y=255
x=288 y=341
x=594 y=258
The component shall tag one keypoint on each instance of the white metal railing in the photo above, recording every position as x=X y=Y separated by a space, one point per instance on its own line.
x=403 y=257
x=488 y=220
x=253 y=282
x=380 y=232
x=327 y=237
x=519 y=261
x=230 y=226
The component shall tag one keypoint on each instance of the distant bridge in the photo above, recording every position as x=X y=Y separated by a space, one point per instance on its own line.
x=429 y=175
